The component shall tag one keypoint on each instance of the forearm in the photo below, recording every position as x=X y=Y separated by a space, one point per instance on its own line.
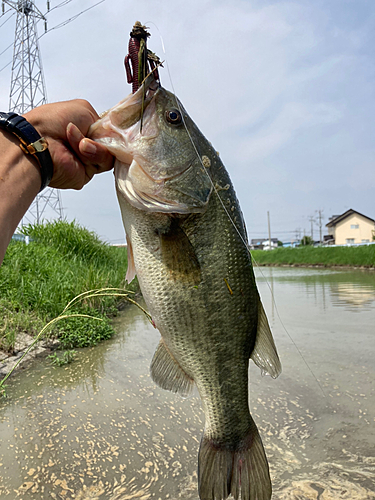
x=19 y=184
x=76 y=159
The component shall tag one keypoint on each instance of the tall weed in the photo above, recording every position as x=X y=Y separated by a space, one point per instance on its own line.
x=325 y=256
x=38 y=280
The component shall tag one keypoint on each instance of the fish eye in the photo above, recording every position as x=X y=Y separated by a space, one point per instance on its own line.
x=173 y=116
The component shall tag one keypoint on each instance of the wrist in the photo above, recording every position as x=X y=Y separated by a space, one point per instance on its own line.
x=14 y=163
x=31 y=143
x=19 y=184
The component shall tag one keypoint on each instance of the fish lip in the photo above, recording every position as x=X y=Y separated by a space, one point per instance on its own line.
x=160 y=180
x=143 y=200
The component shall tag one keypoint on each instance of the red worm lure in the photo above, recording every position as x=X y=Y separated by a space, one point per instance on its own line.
x=137 y=51
x=132 y=57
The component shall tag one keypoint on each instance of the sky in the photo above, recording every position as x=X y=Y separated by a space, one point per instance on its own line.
x=284 y=90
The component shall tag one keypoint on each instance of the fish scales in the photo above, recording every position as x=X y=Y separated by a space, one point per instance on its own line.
x=196 y=276
x=196 y=321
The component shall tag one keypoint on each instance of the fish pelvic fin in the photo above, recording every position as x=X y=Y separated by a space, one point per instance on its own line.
x=167 y=373
x=131 y=271
x=264 y=353
x=241 y=471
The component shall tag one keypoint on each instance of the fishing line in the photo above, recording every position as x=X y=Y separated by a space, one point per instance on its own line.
x=196 y=151
x=229 y=216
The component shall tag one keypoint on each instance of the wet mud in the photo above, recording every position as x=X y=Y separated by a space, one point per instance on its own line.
x=100 y=428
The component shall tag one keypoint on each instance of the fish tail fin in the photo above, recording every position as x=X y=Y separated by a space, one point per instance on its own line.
x=241 y=471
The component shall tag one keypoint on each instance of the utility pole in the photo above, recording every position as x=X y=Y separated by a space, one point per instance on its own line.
x=269 y=230
x=312 y=220
x=320 y=217
x=27 y=89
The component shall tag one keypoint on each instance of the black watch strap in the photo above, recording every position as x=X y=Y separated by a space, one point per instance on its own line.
x=30 y=143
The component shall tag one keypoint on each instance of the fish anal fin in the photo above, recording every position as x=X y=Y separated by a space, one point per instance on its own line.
x=168 y=374
x=240 y=470
x=179 y=256
x=265 y=354
x=131 y=271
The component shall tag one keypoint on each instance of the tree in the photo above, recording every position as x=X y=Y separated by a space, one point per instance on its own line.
x=306 y=240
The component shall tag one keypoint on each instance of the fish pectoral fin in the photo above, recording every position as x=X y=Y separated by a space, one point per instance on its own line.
x=265 y=354
x=131 y=271
x=179 y=256
x=168 y=374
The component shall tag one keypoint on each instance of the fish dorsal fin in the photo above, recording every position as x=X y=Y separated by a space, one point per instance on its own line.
x=265 y=354
x=131 y=271
x=168 y=374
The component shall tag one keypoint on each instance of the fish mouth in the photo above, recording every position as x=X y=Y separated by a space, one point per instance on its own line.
x=117 y=127
x=147 y=180
x=148 y=194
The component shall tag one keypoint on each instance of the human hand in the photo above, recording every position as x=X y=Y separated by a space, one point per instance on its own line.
x=76 y=159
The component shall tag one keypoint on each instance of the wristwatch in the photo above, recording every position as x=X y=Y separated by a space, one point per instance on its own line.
x=30 y=143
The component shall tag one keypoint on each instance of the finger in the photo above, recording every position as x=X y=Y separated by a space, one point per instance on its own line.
x=74 y=136
x=95 y=157
x=96 y=154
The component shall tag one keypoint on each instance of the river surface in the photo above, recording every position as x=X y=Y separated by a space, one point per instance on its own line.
x=99 y=428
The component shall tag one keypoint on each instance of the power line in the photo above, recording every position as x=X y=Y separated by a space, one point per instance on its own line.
x=61 y=4
x=10 y=17
x=273 y=232
x=71 y=19
x=10 y=62
x=64 y=23
x=27 y=91
x=27 y=81
x=9 y=46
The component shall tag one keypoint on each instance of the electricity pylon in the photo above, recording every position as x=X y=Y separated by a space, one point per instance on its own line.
x=27 y=90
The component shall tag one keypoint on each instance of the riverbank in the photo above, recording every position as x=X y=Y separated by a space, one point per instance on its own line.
x=38 y=280
x=103 y=429
x=344 y=257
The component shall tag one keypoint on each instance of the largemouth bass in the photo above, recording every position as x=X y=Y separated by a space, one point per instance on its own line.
x=187 y=244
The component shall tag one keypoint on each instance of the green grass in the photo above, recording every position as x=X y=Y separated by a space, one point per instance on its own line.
x=361 y=256
x=38 y=280
x=65 y=358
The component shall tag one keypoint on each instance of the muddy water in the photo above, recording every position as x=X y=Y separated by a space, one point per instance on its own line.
x=100 y=429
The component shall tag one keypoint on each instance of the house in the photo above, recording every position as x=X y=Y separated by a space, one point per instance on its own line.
x=350 y=228
x=263 y=244
x=291 y=244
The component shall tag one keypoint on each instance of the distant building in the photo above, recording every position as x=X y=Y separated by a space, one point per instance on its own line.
x=291 y=244
x=21 y=237
x=18 y=237
x=263 y=244
x=350 y=228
